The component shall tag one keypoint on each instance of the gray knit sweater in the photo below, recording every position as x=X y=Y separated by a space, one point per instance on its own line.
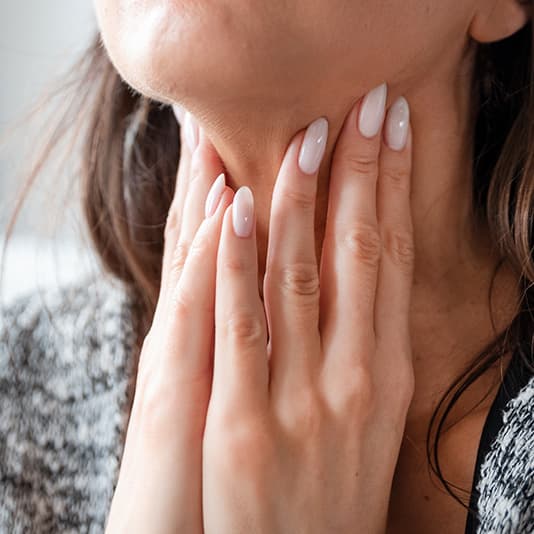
x=65 y=367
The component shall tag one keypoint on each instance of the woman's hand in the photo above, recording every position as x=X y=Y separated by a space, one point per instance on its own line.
x=159 y=487
x=303 y=435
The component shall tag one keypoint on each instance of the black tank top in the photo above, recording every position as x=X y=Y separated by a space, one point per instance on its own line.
x=515 y=378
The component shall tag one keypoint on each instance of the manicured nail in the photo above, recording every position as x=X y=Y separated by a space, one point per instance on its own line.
x=372 y=111
x=313 y=146
x=191 y=131
x=243 y=212
x=214 y=196
x=179 y=113
x=397 y=123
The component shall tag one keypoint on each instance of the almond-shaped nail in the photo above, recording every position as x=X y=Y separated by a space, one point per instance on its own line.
x=313 y=146
x=397 y=123
x=191 y=131
x=373 y=111
x=243 y=212
x=214 y=195
x=179 y=113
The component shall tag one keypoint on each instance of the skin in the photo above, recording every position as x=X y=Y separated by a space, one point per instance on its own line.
x=277 y=67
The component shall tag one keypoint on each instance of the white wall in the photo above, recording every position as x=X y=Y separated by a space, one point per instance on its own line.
x=39 y=39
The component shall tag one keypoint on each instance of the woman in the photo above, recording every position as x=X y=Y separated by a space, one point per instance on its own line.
x=312 y=317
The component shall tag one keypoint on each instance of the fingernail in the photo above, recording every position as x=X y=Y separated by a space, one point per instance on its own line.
x=179 y=113
x=243 y=212
x=397 y=123
x=313 y=146
x=214 y=195
x=191 y=131
x=372 y=111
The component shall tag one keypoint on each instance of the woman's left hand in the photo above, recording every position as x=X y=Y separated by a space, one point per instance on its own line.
x=303 y=435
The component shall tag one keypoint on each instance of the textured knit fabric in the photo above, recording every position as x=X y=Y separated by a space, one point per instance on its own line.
x=65 y=363
x=65 y=367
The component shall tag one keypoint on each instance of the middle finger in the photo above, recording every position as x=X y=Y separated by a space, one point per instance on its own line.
x=351 y=247
x=291 y=284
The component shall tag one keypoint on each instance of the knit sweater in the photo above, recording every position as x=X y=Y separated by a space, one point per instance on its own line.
x=65 y=367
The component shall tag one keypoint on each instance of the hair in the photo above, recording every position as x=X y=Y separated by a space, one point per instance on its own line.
x=131 y=149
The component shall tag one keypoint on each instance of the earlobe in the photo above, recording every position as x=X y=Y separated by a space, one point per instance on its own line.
x=498 y=19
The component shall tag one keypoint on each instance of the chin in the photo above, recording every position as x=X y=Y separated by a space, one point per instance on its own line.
x=200 y=55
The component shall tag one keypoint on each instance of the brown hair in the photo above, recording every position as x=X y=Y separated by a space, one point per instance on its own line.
x=131 y=149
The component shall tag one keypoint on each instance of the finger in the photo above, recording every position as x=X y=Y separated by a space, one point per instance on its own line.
x=351 y=248
x=395 y=222
x=291 y=284
x=188 y=144
x=206 y=167
x=190 y=315
x=240 y=375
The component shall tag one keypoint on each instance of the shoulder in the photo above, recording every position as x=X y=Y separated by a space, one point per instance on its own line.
x=80 y=313
x=65 y=367
x=506 y=486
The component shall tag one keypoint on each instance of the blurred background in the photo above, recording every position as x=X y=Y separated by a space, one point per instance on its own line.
x=39 y=41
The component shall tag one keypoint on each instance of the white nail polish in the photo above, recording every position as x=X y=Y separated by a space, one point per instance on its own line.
x=179 y=113
x=191 y=131
x=243 y=212
x=313 y=146
x=214 y=195
x=397 y=123
x=372 y=111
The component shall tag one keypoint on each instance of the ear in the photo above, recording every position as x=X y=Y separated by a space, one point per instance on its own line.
x=497 y=19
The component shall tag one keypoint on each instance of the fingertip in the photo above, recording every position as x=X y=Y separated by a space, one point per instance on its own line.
x=227 y=221
x=397 y=128
x=226 y=200
x=179 y=113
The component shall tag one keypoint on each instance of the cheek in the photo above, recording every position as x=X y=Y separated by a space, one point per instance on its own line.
x=401 y=42
x=203 y=50
x=130 y=35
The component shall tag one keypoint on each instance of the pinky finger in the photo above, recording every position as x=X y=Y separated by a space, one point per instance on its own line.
x=395 y=221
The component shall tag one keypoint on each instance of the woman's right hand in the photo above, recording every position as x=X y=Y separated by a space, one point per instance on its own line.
x=159 y=486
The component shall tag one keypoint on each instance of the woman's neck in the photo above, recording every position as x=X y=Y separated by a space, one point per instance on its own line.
x=454 y=259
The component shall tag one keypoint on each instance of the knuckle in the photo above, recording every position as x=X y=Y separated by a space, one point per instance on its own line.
x=195 y=170
x=235 y=266
x=179 y=257
x=302 y=200
x=401 y=248
x=182 y=303
x=244 y=328
x=362 y=163
x=246 y=445
x=306 y=415
x=401 y=386
x=299 y=279
x=364 y=243
x=201 y=244
x=397 y=178
x=356 y=393
x=157 y=402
